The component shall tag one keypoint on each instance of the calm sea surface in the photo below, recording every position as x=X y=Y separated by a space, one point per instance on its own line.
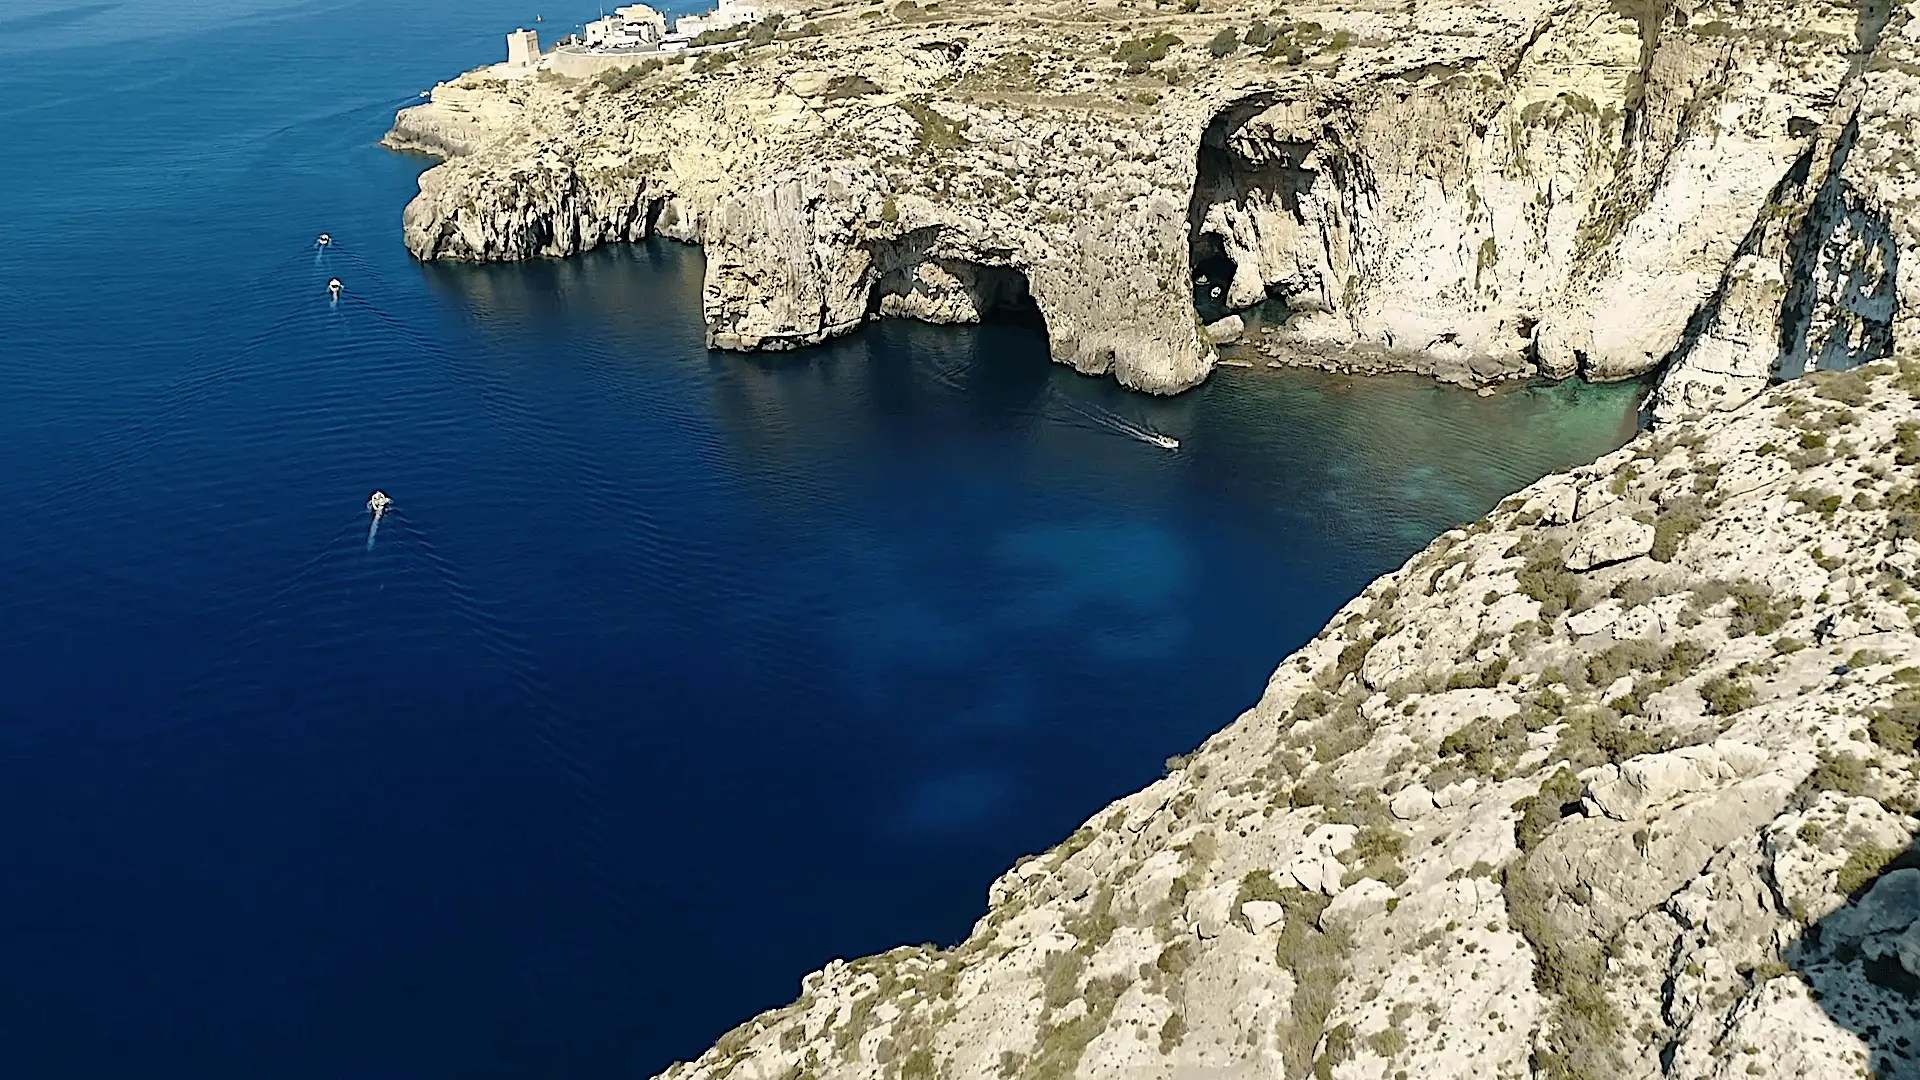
x=671 y=675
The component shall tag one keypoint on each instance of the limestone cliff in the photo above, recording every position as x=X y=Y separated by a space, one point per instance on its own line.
x=1617 y=782
x=1477 y=191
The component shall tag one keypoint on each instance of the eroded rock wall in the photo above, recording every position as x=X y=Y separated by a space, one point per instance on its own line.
x=1617 y=782
x=1479 y=193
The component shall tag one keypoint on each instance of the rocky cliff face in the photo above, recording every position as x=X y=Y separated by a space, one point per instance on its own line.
x=1479 y=191
x=1617 y=782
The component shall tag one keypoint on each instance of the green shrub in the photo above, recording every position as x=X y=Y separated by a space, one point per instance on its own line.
x=1842 y=773
x=1754 y=609
x=721 y=37
x=1862 y=867
x=936 y=131
x=1906 y=443
x=1317 y=961
x=1548 y=582
x=1595 y=736
x=1896 y=726
x=1259 y=35
x=1376 y=853
x=1676 y=521
x=1387 y=1042
x=1725 y=696
x=1223 y=43
x=1625 y=658
x=1903 y=513
x=764 y=31
x=1256 y=885
x=1557 y=798
x=1571 y=971
x=1484 y=744
x=1172 y=1032
x=1484 y=677
x=1138 y=54
x=1845 y=387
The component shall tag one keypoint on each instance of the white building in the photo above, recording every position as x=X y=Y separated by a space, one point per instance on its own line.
x=729 y=14
x=635 y=26
x=641 y=14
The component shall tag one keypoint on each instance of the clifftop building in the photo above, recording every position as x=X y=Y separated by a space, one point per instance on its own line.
x=729 y=14
x=630 y=27
x=523 y=48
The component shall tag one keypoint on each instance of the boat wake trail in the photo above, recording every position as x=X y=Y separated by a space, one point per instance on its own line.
x=377 y=503
x=1120 y=425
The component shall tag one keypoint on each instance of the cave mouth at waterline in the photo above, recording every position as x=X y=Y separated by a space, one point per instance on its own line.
x=1245 y=211
x=947 y=291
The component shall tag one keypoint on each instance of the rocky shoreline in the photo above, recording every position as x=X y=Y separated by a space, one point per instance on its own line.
x=1719 y=189
x=1619 y=781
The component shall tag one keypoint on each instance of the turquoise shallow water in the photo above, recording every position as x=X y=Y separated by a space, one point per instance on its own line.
x=672 y=674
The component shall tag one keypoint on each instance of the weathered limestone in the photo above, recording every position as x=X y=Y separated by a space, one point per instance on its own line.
x=1478 y=193
x=1638 y=831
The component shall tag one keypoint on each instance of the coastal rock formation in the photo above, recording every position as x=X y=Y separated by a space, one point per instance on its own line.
x=1479 y=192
x=1527 y=807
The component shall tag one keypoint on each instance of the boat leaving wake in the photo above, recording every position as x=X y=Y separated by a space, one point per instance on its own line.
x=378 y=503
x=1118 y=424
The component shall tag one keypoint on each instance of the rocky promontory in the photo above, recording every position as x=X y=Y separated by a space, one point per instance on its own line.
x=1478 y=191
x=1619 y=781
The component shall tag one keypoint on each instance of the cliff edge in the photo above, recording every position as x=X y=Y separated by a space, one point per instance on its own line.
x=1477 y=191
x=1617 y=782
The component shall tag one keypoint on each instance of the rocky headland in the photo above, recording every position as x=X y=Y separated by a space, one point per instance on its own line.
x=1620 y=781
x=1479 y=191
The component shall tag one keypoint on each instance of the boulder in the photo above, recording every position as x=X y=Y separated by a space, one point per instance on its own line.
x=1619 y=539
x=1263 y=915
x=1411 y=802
x=1226 y=331
x=1355 y=904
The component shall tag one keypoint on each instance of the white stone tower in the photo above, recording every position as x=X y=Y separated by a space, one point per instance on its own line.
x=523 y=48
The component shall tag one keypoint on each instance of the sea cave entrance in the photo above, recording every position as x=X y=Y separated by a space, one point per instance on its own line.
x=1246 y=216
x=937 y=289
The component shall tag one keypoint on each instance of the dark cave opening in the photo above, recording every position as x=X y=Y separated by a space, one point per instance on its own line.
x=1246 y=178
x=945 y=290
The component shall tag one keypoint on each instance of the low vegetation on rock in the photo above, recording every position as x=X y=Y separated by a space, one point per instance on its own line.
x=1499 y=819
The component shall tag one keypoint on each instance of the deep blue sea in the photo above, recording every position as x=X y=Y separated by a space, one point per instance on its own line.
x=670 y=676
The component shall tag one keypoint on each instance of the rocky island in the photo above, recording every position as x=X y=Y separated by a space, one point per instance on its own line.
x=1619 y=781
